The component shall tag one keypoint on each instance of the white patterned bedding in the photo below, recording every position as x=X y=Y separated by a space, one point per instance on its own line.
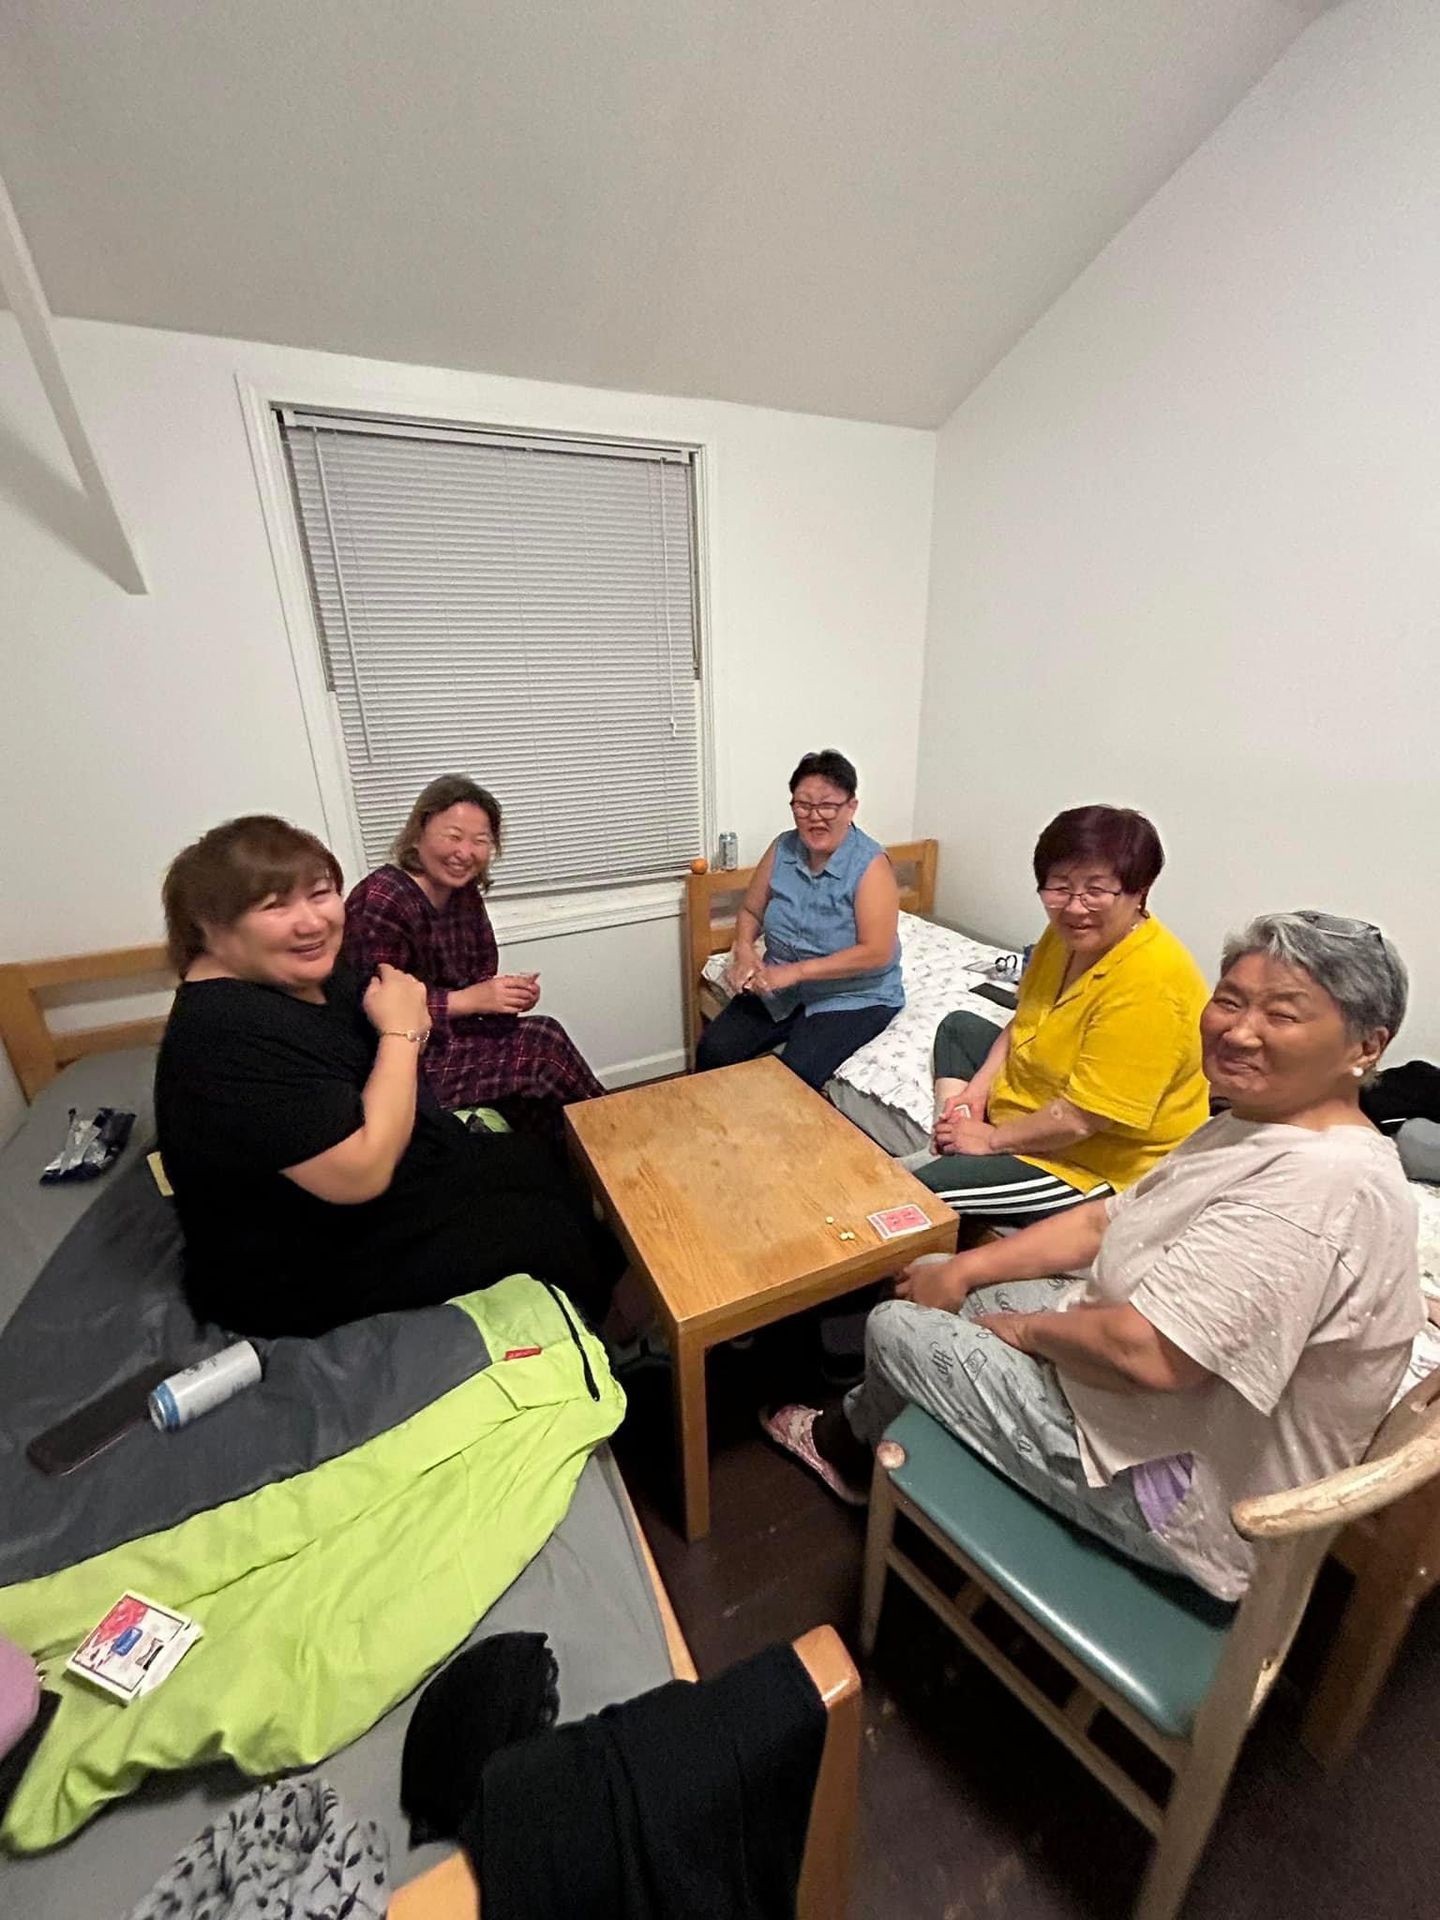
x=940 y=969
x=1425 y=1354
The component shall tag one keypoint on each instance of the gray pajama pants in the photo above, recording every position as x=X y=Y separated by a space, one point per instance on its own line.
x=1005 y=1406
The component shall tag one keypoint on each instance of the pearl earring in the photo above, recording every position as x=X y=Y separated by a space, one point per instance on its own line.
x=1359 y=1072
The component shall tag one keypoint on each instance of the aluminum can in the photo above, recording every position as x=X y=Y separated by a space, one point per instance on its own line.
x=729 y=852
x=185 y=1396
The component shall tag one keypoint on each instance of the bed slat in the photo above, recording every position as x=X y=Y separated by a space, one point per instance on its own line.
x=37 y=1050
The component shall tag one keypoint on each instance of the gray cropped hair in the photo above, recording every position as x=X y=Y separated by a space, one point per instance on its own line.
x=1350 y=959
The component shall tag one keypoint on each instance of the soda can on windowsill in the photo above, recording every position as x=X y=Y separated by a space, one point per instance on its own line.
x=729 y=853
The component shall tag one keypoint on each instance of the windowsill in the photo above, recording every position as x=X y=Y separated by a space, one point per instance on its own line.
x=549 y=916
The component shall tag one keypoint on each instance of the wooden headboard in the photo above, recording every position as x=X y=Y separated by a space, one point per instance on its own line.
x=712 y=899
x=28 y=988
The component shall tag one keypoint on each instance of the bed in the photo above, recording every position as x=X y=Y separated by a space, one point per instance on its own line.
x=592 y=1588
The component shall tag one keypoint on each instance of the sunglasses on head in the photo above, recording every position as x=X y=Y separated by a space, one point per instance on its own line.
x=1339 y=924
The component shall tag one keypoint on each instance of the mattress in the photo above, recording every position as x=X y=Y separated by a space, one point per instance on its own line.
x=588 y=1588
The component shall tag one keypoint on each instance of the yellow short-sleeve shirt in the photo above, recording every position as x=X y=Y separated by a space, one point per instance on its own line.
x=1123 y=1042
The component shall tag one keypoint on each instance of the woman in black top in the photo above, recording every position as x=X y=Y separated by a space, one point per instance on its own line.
x=315 y=1181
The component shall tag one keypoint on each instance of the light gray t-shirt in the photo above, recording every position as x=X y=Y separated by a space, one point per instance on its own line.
x=1284 y=1261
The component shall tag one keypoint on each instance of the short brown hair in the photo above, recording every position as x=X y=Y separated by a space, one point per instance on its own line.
x=1118 y=836
x=233 y=868
x=450 y=790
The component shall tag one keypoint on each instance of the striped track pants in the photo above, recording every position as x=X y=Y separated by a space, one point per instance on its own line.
x=1001 y=1187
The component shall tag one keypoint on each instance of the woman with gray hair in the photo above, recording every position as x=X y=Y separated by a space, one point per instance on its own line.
x=1250 y=1302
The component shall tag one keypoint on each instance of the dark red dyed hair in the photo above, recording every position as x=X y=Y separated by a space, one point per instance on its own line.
x=1115 y=837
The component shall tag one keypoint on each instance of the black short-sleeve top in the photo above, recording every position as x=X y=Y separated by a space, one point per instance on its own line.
x=251 y=1080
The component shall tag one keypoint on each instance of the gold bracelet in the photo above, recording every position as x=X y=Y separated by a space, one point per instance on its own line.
x=417 y=1034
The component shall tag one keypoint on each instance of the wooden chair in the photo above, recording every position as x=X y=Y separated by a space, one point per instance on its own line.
x=1183 y=1674
x=713 y=898
x=1394 y=1556
x=449 y=1891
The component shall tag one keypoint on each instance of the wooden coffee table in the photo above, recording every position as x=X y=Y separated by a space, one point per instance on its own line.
x=730 y=1192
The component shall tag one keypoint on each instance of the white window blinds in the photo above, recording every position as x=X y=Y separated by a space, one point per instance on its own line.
x=521 y=611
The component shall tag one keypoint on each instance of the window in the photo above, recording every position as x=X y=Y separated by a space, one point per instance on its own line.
x=517 y=609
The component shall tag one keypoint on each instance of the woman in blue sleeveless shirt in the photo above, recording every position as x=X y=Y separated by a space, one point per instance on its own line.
x=827 y=903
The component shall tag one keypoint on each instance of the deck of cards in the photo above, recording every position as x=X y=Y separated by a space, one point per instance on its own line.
x=136 y=1646
x=892 y=1222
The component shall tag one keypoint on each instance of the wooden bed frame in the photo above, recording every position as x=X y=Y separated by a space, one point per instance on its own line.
x=713 y=898
x=37 y=1051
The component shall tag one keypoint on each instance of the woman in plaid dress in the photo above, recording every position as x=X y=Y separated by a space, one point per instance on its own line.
x=424 y=912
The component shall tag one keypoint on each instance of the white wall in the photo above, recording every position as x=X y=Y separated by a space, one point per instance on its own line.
x=1187 y=535
x=130 y=724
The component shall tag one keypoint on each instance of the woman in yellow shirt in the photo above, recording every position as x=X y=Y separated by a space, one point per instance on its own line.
x=1098 y=1075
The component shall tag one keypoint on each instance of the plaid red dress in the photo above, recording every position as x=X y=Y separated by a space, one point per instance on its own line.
x=492 y=1059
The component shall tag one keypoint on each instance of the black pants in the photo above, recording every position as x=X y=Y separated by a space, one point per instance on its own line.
x=815 y=1043
x=514 y=1209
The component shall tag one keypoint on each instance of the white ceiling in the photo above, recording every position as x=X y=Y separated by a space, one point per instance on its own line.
x=841 y=206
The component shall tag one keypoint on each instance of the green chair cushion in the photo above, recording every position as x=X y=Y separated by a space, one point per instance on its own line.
x=1155 y=1638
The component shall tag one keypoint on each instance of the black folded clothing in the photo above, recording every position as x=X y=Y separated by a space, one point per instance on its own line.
x=1411 y=1092
x=688 y=1803
x=500 y=1690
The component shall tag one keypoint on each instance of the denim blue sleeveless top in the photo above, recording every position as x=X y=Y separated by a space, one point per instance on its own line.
x=809 y=914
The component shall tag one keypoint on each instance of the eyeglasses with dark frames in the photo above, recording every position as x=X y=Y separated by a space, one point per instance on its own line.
x=1092 y=897
x=818 y=809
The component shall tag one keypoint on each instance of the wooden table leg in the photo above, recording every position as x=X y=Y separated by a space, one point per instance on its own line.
x=692 y=1433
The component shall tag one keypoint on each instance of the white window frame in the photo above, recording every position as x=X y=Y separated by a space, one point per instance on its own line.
x=527 y=916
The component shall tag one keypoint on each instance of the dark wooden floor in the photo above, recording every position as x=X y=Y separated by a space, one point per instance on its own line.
x=969 y=1809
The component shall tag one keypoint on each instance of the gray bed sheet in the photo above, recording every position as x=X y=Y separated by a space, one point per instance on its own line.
x=887 y=1126
x=588 y=1589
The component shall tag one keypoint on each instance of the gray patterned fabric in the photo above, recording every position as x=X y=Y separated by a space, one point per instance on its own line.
x=291 y=1851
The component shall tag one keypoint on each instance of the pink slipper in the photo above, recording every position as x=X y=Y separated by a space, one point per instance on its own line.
x=793 y=1428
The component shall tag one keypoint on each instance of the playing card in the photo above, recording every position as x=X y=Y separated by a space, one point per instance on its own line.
x=891 y=1222
x=134 y=1647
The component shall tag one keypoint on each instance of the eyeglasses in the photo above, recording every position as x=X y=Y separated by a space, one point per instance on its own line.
x=1087 y=896
x=818 y=809
x=1340 y=924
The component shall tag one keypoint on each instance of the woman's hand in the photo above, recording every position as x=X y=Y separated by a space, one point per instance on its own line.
x=1012 y=1328
x=956 y=1135
x=744 y=965
x=395 y=1002
x=767 y=979
x=506 y=993
x=966 y=1103
x=936 y=1283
